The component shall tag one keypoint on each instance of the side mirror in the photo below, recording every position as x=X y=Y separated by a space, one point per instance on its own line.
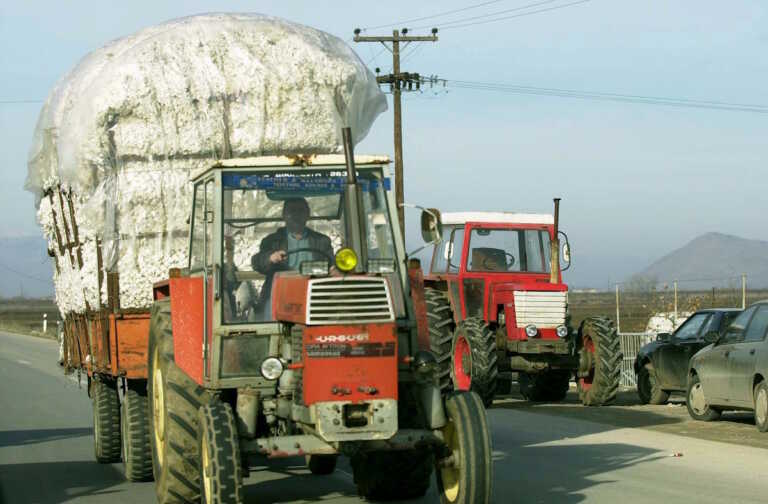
x=712 y=337
x=664 y=336
x=431 y=225
x=566 y=254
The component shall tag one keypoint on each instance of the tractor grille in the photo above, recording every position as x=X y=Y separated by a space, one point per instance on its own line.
x=350 y=300
x=542 y=309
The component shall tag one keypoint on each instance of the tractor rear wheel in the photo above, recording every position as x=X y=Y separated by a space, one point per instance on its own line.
x=440 y=323
x=545 y=386
x=464 y=476
x=321 y=465
x=600 y=359
x=134 y=421
x=106 y=420
x=474 y=360
x=174 y=400
x=392 y=475
x=220 y=467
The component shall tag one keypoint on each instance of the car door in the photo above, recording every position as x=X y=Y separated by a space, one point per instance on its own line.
x=743 y=359
x=713 y=368
x=671 y=364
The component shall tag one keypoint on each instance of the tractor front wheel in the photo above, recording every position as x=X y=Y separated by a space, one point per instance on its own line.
x=474 y=360
x=465 y=473
x=174 y=401
x=600 y=359
x=321 y=465
x=549 y=385
x=392 y=475
x=220 y=467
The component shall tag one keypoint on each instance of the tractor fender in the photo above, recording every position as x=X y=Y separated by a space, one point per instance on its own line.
x=433 y=406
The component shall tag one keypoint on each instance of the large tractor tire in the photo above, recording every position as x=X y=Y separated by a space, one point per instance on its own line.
x=474 y=360
x=106 y=420
x=440 y=323
x=392 y=475
x=174 y=401
x=648 y=389
x=600 y=359
x=547 y=386
x=220 y=469
x=465 y=475
x=134 y=422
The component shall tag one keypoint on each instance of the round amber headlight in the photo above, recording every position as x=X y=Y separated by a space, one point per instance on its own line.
x=346 y=259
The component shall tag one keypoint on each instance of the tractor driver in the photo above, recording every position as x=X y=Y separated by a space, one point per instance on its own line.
x=277 y=250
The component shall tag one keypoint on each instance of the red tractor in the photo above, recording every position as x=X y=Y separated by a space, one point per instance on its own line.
x=293 y=333
x=496 y=304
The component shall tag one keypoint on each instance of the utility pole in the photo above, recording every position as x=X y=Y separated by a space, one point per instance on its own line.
x=398 y=82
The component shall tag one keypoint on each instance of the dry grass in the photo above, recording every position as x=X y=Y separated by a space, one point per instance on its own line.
x=26 y=316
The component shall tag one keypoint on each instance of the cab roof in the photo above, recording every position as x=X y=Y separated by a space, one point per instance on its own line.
x=298 y=160
x=455 y=218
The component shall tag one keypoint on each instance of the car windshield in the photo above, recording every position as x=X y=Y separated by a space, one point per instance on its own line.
x=514 y=250
x=275 y=221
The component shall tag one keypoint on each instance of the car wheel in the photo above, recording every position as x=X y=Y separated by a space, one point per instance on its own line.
x=761 y=407
x=697 y=403
x=648 y=388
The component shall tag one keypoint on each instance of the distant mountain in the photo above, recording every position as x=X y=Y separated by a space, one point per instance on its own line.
x=715 y=258
x=25 y=268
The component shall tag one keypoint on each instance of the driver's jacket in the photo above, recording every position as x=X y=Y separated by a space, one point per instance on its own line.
x=279 y=241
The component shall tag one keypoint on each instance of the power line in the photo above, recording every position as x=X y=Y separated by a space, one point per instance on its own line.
x=603 y=96
x=10 y=102
x=556 y=7
x=24 y=275
x=491 y=14
x=441 y=14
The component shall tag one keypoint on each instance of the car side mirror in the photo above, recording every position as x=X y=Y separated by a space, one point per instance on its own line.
x=712 y=337
x=664 y=336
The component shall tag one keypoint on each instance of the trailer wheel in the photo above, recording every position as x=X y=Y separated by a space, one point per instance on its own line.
x=474 y=361
x=174 y=400
x=600 y=359
x=392 y=475
x=106 y=420
x=220 y=467
x=545 y=386
x=321 y=465
x=440 y=323
x=465 y=474
x=134 y=422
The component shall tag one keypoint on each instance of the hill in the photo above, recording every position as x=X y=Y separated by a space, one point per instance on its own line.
x=713 y=260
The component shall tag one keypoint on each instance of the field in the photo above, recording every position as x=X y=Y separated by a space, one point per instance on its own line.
x=26 y=316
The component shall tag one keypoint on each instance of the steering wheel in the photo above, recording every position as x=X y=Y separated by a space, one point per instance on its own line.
x=309 y=249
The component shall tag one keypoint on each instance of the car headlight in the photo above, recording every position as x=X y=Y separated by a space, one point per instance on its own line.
x=531 y=331
x=271 y=368
x=381 y=266
x=346 y=259
x=562 y=331
x=314 y=268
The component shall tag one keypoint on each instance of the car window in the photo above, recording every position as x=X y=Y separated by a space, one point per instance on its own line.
x=757 y=326
x=727 y=319
x=690 y=329
x=713 y=324
x=735 y=331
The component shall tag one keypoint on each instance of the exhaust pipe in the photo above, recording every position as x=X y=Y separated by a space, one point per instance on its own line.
x=554 y=250
x=353 y=205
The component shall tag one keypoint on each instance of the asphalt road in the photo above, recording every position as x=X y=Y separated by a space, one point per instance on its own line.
x=543 y=453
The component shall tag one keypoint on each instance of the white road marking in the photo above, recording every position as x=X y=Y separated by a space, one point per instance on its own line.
x=26 y=363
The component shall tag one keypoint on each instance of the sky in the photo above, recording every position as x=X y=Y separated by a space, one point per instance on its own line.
x=637 y=180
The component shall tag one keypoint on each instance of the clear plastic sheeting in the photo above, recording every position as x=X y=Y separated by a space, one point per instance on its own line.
x=119 y=135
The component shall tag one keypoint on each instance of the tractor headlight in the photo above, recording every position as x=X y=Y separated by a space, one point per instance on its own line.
x=381 y=266
x=314 y=268
x=346 y=259
x=271 y=368
x=531 y=331
x=562 y=331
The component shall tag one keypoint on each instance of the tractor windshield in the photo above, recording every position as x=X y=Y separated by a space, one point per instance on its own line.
x=512 y=250
x=275 y=221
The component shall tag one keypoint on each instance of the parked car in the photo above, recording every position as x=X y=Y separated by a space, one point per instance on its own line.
x=661 y=366
x=731 y=373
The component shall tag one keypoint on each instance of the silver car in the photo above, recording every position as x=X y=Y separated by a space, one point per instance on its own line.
x=731 y=373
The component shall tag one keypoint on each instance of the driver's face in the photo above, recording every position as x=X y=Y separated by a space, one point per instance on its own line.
x=295 y=216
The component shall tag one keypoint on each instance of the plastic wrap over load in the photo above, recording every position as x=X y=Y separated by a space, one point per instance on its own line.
x=121 y=132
